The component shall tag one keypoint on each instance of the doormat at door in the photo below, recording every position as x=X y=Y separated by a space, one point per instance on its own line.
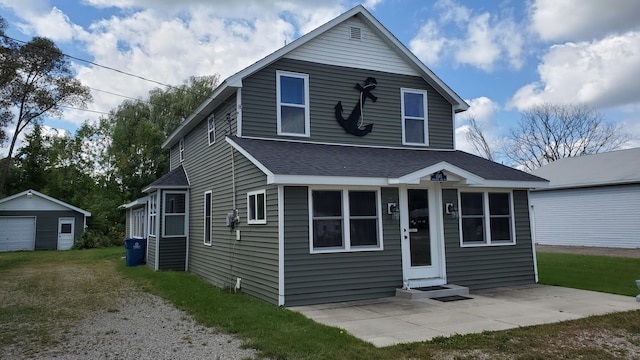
x=451 y=298
x=431 y=288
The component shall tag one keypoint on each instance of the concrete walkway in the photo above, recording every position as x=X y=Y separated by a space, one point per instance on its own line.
x=390 y=321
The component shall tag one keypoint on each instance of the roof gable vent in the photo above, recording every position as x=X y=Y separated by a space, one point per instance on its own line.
x=355 y=33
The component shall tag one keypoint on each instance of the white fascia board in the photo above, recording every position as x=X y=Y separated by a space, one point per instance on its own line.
x=414 y=177
x=460 y=104
x=219 y=95
x=327 y=180
x=140 y=201
x=510 y=184
x=165 y=187
x=254 y=161
x=48 y=198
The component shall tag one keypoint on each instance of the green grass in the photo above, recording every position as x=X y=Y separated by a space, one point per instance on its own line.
x=44 y=292
x=615 y=275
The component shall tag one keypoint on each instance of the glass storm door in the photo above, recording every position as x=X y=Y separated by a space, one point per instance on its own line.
x=419 y=241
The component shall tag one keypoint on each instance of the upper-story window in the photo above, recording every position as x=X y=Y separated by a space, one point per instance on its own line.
x=293 y=103
x=211 y=129
x=181 y=147
x=415 y=126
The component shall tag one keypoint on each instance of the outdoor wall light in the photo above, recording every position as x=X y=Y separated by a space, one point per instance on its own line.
x=451 y=209
x=29 y=194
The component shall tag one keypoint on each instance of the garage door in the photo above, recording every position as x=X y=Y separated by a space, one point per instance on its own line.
x=17 y=233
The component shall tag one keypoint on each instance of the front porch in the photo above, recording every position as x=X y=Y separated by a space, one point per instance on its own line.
x=395 y=320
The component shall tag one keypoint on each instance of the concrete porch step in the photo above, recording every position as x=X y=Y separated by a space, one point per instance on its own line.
x=432 y=292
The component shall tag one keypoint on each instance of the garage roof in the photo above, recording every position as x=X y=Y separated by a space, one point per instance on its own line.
x=22 y=201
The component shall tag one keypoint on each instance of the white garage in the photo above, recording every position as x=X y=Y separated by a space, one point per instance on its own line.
x=17 y=233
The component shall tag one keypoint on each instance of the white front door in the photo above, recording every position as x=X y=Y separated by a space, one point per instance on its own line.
x=65 y=233
x=421 y=238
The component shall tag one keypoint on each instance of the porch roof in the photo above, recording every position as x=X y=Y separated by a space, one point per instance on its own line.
x=175 y=179
x=288 y=162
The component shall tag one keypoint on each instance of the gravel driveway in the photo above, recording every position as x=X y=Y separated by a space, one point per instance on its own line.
x=145 y=327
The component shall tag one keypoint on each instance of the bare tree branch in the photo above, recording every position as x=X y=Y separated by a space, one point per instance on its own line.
x=548 y=132
x=476 y=137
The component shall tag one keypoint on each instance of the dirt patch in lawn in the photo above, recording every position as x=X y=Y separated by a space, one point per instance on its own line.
x=589 y=250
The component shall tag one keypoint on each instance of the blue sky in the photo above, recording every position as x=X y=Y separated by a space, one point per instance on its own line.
x=500 y=56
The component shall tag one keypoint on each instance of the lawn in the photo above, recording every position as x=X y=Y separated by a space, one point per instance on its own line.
x=39 y=289
x=608 y=274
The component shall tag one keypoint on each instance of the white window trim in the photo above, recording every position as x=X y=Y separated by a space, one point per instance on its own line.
x=137 y=223
x=211 y=130
x=346 y=216
x=153 y=213
x=165 y=213
x=487 y=218
x=255 y=194
x=181 y=149
x=425 y=119
x=204 y=224
x=306 y=101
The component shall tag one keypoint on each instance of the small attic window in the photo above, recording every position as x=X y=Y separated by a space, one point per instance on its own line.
x=355 y=33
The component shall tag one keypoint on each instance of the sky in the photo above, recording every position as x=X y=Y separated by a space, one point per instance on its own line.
x=500 y=56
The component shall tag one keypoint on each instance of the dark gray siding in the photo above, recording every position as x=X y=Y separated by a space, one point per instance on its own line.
x=47 y=226
x=330 y=84
x=151 y=252
x=255 y=257
x=490 y=266
x=322 y=278
x=174 y=155
x=172 y=253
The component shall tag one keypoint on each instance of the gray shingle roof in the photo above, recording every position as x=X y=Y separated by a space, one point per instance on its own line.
x=293 y=158
x=176 y=178
x=610 y=168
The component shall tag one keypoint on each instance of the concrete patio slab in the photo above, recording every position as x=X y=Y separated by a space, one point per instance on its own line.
x=391 y=321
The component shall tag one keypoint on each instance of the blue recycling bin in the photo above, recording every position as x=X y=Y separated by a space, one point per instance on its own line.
x=135 y=249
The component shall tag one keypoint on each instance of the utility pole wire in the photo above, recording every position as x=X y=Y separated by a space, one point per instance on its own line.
x=102 y=66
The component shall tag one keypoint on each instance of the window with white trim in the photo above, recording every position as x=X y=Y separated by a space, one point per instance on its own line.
x=181 y=149
x=345 y=220
x=257 y=207
x=415 y=125
x=153 y=209
x=207 y=218
x=292 y=92
x=211 y=130
x=486 y=218
x=137 y=223
x=174 y=214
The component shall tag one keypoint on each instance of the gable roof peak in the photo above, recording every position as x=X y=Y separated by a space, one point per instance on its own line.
x=234 y=82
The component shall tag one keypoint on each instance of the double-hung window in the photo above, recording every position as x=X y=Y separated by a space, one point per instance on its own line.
x=153 y=211
x=207 y=218
x=293 y=103
x=256 y=207
x=174 y=220
x=486 y=218
x=415 y=126
x=345 y=220
x=181 y=149
x=211 y=130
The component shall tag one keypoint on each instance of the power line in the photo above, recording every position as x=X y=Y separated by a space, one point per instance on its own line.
x=81 y=109
x=102 y=66
x=120 y=95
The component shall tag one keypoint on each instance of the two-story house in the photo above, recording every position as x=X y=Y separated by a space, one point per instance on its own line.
x=327 y=171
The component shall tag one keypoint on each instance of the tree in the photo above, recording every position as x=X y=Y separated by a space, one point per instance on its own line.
x=549 y=132
x=476 y=137
x=138 y=129
x=40 y=85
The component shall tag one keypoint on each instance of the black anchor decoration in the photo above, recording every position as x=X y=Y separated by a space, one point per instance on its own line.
x=352 y=124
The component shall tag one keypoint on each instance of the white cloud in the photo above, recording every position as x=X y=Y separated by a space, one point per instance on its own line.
x=481 y=109
x=485 y=39
x=599 y=73
x=428 y=44
x=583 y=20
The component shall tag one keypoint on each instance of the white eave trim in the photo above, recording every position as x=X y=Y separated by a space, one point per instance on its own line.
x=49 y=198
x=165 y=187
x=254 y=161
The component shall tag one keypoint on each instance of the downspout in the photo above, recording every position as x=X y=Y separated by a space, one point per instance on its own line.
x=532 y=228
